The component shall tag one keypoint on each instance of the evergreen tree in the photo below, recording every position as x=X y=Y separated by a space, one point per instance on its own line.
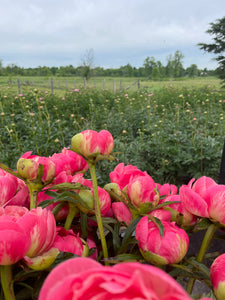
x=217 y=30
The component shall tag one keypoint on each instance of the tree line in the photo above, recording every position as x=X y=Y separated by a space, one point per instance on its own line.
x=151 y=68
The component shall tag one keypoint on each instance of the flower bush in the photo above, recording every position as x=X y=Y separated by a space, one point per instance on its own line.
x=127 y=239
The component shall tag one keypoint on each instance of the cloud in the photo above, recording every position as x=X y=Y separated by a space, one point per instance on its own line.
x=57 y=32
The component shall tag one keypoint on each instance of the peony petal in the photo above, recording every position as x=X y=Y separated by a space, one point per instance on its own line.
x=63 y=275
x=192 y=202
x=216 y=201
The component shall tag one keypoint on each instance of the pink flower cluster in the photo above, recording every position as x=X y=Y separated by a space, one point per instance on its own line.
x=35 y=237
x=32 y=235
x=24 y=233
x=140 y=194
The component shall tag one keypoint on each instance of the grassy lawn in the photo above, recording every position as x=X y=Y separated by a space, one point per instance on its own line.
x=63 y=84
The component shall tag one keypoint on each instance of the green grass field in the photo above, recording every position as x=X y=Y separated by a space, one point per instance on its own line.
x=63 y=84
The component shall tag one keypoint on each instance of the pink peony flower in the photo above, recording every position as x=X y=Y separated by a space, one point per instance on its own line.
x=8 y=187
x=105 y=201
x=68 y=241
x=141 y=190
x=83 y=278
x=13 y=191
x=79 y=178
x=41 y=227
x=14 y=239
x=21 y=197
x=123 y=174
x=163 y=215
x=204 y=199
x=217 y=276
x=179 y=213
x=69 y=161
x=92 y=246
x=215 y=199
x=122 y=212
x=169 y=249
x=167 y=189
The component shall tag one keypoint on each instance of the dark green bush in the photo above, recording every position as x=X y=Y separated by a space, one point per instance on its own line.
x=173 y=134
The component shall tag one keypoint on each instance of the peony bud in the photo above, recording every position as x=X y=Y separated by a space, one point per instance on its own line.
x=90 y=143
x=161 y=250
x=88 y=199
x=27 y=168
x=106 y=142
x=141 y=190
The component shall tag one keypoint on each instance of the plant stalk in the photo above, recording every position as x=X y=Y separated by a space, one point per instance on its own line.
x=70 y=216
x=7 y=282
x=201 y=254
x=33 y=197
x=97 y=210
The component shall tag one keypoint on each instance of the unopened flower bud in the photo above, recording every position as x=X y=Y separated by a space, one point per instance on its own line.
x=27 y=168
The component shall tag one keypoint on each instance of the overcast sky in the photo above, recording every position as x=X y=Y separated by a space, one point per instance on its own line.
x=59 y=32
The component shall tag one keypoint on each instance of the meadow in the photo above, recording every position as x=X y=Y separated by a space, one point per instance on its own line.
x=174 y=130
x=114 y=84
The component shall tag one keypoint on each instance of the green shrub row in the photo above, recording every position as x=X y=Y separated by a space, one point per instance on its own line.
x=174 y=133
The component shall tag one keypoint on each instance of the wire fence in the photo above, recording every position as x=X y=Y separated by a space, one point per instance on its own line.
x=72 y=83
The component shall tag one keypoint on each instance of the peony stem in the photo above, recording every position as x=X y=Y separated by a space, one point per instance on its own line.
x=70 y=216
x=33 y=197
x=97 y=210
x=7 y=282
x=204 y=246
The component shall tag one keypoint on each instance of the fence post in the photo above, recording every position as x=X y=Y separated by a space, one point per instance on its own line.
x=120 y=84
x=103 y=83
x=19 y=85
x=138 y=84
x=114 y=86
x=85 y=82
x=52 y=85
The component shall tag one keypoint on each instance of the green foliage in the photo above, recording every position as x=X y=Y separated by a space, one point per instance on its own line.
x=217 y=30
x=174 y=133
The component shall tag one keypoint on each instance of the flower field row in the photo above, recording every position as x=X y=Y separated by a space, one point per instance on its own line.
x=174 y=134
x=98 y=197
